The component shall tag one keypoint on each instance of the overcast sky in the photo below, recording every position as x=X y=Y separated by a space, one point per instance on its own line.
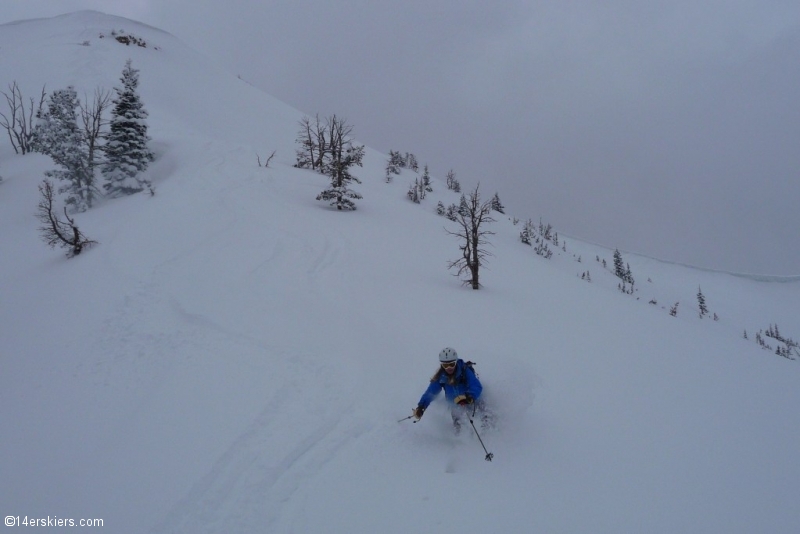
x=670 y=129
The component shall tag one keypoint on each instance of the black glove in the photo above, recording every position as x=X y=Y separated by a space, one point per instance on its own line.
x=418 y=411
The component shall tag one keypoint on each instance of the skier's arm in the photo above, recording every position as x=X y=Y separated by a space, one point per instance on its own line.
x=433 y=390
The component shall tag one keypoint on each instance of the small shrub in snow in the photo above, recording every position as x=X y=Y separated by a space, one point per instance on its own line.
x=56 y=232
x=452 y=183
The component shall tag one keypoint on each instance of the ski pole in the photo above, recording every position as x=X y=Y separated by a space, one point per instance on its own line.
x=407 y=418
x=489 y=455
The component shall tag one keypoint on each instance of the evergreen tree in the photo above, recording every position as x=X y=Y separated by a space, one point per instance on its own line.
x=628 y=276
x=394 y=165
x=619 y=269
x=546 y=231
x=463 y=207
x=57 y=135
x=341 y=155
x=701 y=303
x=411 y=162
x=426 y=180
x=127 y=154
x=525 y=236
x=414 y=192
x=452 y=212
x=497 y=205
x=527 y=232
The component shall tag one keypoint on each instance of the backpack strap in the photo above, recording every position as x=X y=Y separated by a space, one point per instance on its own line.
x=462 y=379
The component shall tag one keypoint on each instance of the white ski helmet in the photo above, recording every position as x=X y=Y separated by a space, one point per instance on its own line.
x=448 y=355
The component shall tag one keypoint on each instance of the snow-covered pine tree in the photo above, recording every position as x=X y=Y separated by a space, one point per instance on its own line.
x=127 y=154
x=452 y=212
x=497 y=205
x=463 y=207
x=57 y=135
x=543 y=250
x=527 y=232
x=342 y=154
x=701 y=303
x=411 y=162
x=413 y=192
x=525 y=236
x=426 y=180
x=628 y=275
x=619 y=268
x=546 y=231
x=394 y=165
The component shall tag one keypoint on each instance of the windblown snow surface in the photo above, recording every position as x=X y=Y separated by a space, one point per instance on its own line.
x=234 y=355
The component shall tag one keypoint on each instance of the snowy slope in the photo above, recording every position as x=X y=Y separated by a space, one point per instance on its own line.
x=234 y=355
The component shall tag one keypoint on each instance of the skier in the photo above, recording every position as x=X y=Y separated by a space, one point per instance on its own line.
x=462 y=389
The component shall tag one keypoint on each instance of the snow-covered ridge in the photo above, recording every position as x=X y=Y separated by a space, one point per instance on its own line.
x=86 y=17
x=234 y=355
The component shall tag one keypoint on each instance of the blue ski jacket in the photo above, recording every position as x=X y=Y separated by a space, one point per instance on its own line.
x=462 y=382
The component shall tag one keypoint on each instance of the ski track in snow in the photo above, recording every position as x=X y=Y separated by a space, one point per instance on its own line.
x=252 y=485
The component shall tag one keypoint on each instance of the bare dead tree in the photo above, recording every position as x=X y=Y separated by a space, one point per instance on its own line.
x=266 y=163
x=313 y=144
x=19 y=125
x=91 y=117
x=471 y=218
x=307 y=147
x=56 y=232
